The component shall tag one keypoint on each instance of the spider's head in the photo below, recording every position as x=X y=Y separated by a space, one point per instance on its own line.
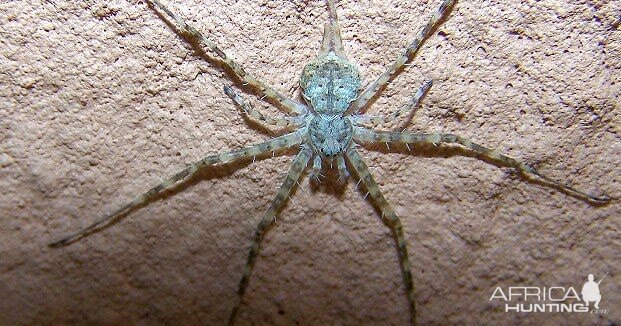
x=330 y=135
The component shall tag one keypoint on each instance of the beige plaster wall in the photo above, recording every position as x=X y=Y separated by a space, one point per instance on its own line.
x=100 y=100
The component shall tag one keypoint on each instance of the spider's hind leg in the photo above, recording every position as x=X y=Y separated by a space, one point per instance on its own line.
x=298 y=166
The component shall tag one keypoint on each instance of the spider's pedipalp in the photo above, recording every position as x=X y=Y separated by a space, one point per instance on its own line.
x=343 y=173
x=366 y=135
x=298 y=166
x=409 y=107
x=396 y=67
x=246 y=79
x=249 y=111
x=316 y=169
x=250 y=151
x=391 y=219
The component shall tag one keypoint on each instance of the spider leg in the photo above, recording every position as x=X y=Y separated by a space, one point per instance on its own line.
x=391 y=220
x=396 y=67
x=251 y=151
x=298 y=166
x=316 y=170
x=332 y=40
x=248 y=110
x=340 y=163
x=367 y=135
x=181 y=26
x=411 y=106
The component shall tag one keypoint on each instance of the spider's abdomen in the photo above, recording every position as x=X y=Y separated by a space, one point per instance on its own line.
x=330 y=84
x=330 y=135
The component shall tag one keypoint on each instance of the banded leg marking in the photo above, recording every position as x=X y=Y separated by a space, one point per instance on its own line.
x=411 y=106
x=299 y=164
x=332 y=40
x=253 y=113
x=367 y=135
x=245 y=78
x=393 y=70
x=392 y=220
x=251 y=151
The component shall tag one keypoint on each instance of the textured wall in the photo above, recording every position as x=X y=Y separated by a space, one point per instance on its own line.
x=100 y=100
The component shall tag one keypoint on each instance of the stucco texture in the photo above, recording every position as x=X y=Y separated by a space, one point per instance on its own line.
x=99 y=100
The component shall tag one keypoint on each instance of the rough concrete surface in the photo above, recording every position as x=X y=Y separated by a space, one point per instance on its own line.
x=101 y=99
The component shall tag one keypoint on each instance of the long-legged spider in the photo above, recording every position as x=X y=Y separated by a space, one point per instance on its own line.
x=328 y=128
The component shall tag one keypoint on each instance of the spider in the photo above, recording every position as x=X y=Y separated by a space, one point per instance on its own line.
x=328 y=127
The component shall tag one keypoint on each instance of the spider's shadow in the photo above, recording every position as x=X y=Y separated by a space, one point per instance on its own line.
x=430 y=151
x=449 y=150
x=441 y=151
x=329 y=182
x=207 y=173
x=200 y=52
x=380 y=91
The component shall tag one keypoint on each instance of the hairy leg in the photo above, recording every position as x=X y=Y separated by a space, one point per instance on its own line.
x=340 y=163
x=251 y=151
x=412 y=105
x=395 y=68
x=246 y=78
x=316 y=170
x=299 y=164
x=366 y=135
x=391 y=219
x=332 y=40
x=264 y=120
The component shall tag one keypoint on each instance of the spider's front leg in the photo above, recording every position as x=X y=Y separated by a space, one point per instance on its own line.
x=299 y=164
x=251 y=151
x=181 y=26
x=366 y=135
x=396 y=67
x=391 y=219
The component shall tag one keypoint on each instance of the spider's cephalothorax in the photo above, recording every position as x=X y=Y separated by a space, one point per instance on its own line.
x=325 y=131
x=330 y=135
